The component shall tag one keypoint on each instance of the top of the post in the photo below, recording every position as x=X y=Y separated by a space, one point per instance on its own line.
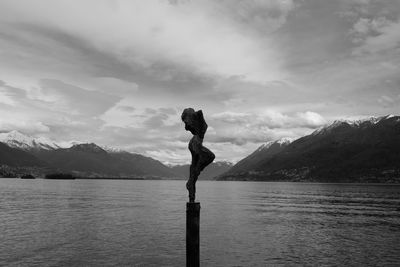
x=192 y=206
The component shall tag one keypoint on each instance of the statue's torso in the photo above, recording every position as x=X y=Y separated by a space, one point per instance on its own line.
x=195 y=144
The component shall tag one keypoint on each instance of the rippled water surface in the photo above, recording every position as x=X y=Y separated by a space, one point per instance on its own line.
x=142 y=223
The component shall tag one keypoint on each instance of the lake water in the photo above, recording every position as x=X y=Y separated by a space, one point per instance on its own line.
x=142 y=223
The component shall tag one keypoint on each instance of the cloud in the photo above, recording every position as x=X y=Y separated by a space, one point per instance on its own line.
x=366 y=27
x=126 y=108
x=232 y=117
x=271 y=119
x=259 y=70
x=169 y=111
x=255 y=15
x=76 y=99
x=386 y=39
x=241 y=128
x=146 y=33
x=112 y=85
x=375 y=25
x=311 y=119
x=389 y=101
x=10 y=124
x=9 y=94
x=155 y=122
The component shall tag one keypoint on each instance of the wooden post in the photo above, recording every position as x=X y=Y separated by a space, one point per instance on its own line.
x=192 y=234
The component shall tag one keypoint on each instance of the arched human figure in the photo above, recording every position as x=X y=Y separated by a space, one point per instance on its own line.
x=201 y=156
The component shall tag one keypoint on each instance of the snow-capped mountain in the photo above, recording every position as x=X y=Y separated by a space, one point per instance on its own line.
x=345 y=151
x=263 y=152
x=281 y=142
x=352 y=123
x=19 y=140
x=110 y=149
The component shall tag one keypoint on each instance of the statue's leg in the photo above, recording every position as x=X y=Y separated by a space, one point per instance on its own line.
x=191 y=183
x=193 y=179
x=206 y=158
x=197 y=166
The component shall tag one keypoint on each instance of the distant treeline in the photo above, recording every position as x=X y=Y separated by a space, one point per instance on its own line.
x=67 y=176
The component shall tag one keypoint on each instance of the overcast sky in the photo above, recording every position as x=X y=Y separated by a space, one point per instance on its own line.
x=119 y=73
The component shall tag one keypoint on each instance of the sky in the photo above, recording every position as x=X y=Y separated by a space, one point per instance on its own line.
x=120 y=72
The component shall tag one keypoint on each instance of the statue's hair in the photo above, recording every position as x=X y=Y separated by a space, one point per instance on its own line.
x=197 y=118
x=187 y=112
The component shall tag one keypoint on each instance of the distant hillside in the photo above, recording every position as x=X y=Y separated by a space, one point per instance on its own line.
x=144 y=164
x=359 y=151
x=93 y=161
x=21 y=154
x=262 y=153
x=210 y=172
x=16 y=157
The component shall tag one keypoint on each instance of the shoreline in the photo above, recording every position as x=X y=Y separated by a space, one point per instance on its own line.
x=241 y=181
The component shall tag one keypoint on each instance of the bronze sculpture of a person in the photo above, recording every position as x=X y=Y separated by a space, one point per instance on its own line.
x=201 y=156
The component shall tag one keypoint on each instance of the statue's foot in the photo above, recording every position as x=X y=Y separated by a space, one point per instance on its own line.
x=192 y=191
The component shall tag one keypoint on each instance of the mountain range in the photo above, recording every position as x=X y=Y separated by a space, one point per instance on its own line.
x=21 y=154
x=344 y=151
x=16 y=139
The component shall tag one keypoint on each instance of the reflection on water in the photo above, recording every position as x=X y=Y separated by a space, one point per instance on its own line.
x=142 y=223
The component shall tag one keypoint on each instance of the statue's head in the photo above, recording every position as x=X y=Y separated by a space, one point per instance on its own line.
x=194 y=122
x=187 y=118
